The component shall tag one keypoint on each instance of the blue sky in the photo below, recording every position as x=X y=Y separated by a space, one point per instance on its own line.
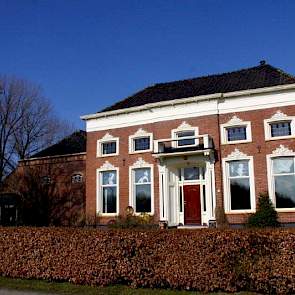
x=87 y=54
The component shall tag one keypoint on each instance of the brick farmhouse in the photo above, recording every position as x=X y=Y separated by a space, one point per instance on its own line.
x=178 y=150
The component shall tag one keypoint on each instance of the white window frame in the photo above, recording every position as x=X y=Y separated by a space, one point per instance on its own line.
x=183 y=127
x=236 y=155
x=278 y=117
x=140 y=133
x=280 y=152
x=107 y=166
x=106 y=139
x=235 y=122
x=140 y=163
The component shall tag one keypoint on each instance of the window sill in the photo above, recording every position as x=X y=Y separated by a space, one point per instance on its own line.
x=237 y=142
x=140 y=152
x=240 y=212
x=287 y=210
x=108 y=155
x=280 y=137
x=107 y=214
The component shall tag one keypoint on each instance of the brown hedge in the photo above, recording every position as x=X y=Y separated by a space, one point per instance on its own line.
x=204 y=260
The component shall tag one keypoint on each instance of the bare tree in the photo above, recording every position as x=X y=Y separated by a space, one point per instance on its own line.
x=27 y=122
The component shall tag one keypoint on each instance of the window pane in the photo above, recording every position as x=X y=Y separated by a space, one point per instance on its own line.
x=143 y=198
x=280 y=129
x=186 y=141
x=191 y=173
x=142 y=143
x=142 y=175
x=109 y=148
x=109 y=178
x=180 y=199
x=236 y=133
x=240 y=194
x=109 y=200
x=283 y=165
x=285 y=191
x=239 y=168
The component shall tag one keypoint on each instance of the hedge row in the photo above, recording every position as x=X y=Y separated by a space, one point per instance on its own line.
x=204 y=260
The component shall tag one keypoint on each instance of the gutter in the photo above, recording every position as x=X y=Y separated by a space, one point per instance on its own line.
x=150 y=106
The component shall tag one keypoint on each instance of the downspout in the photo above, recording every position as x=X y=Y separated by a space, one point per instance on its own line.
x=220 y=100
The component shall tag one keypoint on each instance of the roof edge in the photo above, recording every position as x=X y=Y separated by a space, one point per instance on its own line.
x=188 y=99
x=52 y=157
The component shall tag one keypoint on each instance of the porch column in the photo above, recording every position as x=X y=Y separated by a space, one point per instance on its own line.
x=210 y=191
x=163 y=178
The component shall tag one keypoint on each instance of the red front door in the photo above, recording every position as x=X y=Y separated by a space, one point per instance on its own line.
x=192 y=204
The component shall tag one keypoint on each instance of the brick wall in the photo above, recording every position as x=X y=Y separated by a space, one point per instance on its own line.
x=258 y=148
x=67 y=199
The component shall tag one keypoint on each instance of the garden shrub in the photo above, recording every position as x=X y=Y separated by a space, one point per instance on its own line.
x=204 y=260
x=266 y=215
x=142 y=221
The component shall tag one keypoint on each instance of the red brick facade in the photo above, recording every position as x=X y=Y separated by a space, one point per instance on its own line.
x=210 y=124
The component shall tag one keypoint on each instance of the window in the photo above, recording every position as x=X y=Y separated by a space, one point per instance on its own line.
x=108 y=181
x=185 y=142
x=239 y=186
x=77 y=178
x=236 y=131
x=141 y=187
x=108 y=146
x=191 y=173
x=239 y=181
x=142 y=190
x=280 y=129
x=283 y=176
x=279 y=126
x=140 y=142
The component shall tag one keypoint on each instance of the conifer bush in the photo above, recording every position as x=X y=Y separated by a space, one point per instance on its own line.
x=265 y=215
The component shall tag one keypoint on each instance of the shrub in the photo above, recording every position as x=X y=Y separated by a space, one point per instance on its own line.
x=133 y=221
x=266 y=215
x=205 y=260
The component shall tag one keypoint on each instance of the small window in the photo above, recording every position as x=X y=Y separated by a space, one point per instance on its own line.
x=108 y=180
x=280 y=129
x=109 y=148
x=236 y=133
x=77 y=178
x=186 y=142
x=46 y=180
x=191 y=173
x=142 y=143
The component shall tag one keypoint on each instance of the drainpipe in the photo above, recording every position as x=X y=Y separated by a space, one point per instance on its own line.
x=220 y=100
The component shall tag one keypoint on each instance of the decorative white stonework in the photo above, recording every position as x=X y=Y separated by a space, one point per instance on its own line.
x=279 y=116
x=107 y=136
x=140 y=132
x=282 y=151
x=107 y=166
x=236 y=155
x=140 y=163
x=184 y=126
x=234 y=121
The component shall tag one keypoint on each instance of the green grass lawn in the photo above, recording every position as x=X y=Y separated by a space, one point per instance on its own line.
x=68 y=288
